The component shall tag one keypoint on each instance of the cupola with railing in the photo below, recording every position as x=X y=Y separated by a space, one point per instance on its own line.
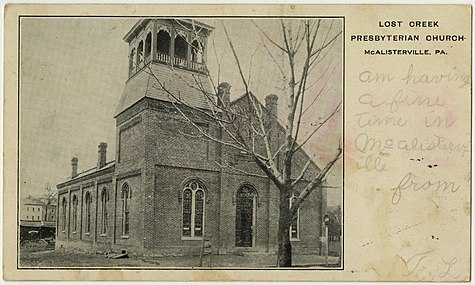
x=179 y=43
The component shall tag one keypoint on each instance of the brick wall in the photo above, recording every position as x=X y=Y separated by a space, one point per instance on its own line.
x=61 y=232
x=104 y=224
x=131 y=168
x=87 y=236
x=74 y=229
x=157 y=153
x=164 y=228
x=80 y=238
x=310 y=229
x=230 y=186
x=130 y=143
x=133 y=241
x=171 y=140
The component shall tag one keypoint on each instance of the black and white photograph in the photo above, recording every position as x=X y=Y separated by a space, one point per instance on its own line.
x=237 y=142
x=180 y=142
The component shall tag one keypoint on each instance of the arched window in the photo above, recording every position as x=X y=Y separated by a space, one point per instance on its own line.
x=163 y=43
x=294 y=226
x=181 y=47
x=104 y=198
x=64 y=206
x=75 y=213
x=88 y=199
x=132 y=60
x=193 y=206
x=148 y=47
x=140 y=55
x=126 y=195
x=197 y=51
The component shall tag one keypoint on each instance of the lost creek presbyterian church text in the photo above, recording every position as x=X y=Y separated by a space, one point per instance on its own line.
x=164 y=192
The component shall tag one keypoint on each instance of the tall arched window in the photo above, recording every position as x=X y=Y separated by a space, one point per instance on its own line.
x=104 y=198
x=64 y=206
x=193 y=206
x=75 y=213
x=126 y=195
x=163 y=43
x=140 y=55
x=88 y=200
x=197 y=51
x=132 y=60
x=181 y=47
x=294 y=226
x=148 y=47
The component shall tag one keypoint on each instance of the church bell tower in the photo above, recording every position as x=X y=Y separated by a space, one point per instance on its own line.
x=176 y=42
x=174 y=52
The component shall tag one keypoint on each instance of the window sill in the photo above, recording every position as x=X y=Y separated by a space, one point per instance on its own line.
x=87 y=234
x=294 y=239
x=103 y=235
x=63 y=231
x=74 y=232
x=124 y=237
x=191 y=238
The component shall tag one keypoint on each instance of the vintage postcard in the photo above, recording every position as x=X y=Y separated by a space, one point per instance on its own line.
x=237 y=142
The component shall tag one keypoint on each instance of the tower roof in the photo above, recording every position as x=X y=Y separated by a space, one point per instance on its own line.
x=139 y=26
x=194 y=89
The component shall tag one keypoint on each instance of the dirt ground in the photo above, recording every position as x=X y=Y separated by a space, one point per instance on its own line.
x=48 y=257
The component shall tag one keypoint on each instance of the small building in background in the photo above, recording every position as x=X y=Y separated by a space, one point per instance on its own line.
x=34 y=209
x=37 y=219
x=31 y=209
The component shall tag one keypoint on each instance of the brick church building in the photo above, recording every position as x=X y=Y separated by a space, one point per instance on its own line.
x=168 y=188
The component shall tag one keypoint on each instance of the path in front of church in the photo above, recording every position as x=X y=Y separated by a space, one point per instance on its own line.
x=65 y=258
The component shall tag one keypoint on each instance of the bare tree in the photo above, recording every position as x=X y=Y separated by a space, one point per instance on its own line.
x=246 y=128
x=49 y=198
x=335 y=217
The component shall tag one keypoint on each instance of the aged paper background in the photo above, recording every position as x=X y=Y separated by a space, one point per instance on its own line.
x=407 y=167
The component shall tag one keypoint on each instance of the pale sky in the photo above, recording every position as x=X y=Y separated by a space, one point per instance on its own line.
x=73 y=72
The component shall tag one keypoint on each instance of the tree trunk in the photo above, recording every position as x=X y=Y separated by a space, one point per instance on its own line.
x=284 y=254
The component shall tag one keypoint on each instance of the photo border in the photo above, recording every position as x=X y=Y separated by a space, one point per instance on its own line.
x=341 y=268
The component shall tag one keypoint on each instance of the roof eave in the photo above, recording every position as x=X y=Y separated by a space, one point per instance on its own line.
x=140 y=24
x=197 y=23
x=106 y=169
x=143 y=22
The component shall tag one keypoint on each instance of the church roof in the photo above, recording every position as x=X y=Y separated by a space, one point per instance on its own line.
x=187 y=86
x=29 y=200
x=140 y=24
x=89 y=173
x=301 y=156
x=93 y=170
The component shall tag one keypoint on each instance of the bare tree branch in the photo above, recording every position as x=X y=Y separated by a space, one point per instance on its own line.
x=257 y=108
x=302 y=173
x=250 y=64
x=322 y=75
x=227 y=165
x=284 y=77
x=318 y=127
x=327 y=44
x=218 y=60
x=268 y=38
x=316 y=182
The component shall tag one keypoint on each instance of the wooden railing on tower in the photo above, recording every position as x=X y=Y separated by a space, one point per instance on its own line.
x=165 y=58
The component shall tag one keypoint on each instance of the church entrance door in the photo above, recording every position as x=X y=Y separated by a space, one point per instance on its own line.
x=245 y=216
